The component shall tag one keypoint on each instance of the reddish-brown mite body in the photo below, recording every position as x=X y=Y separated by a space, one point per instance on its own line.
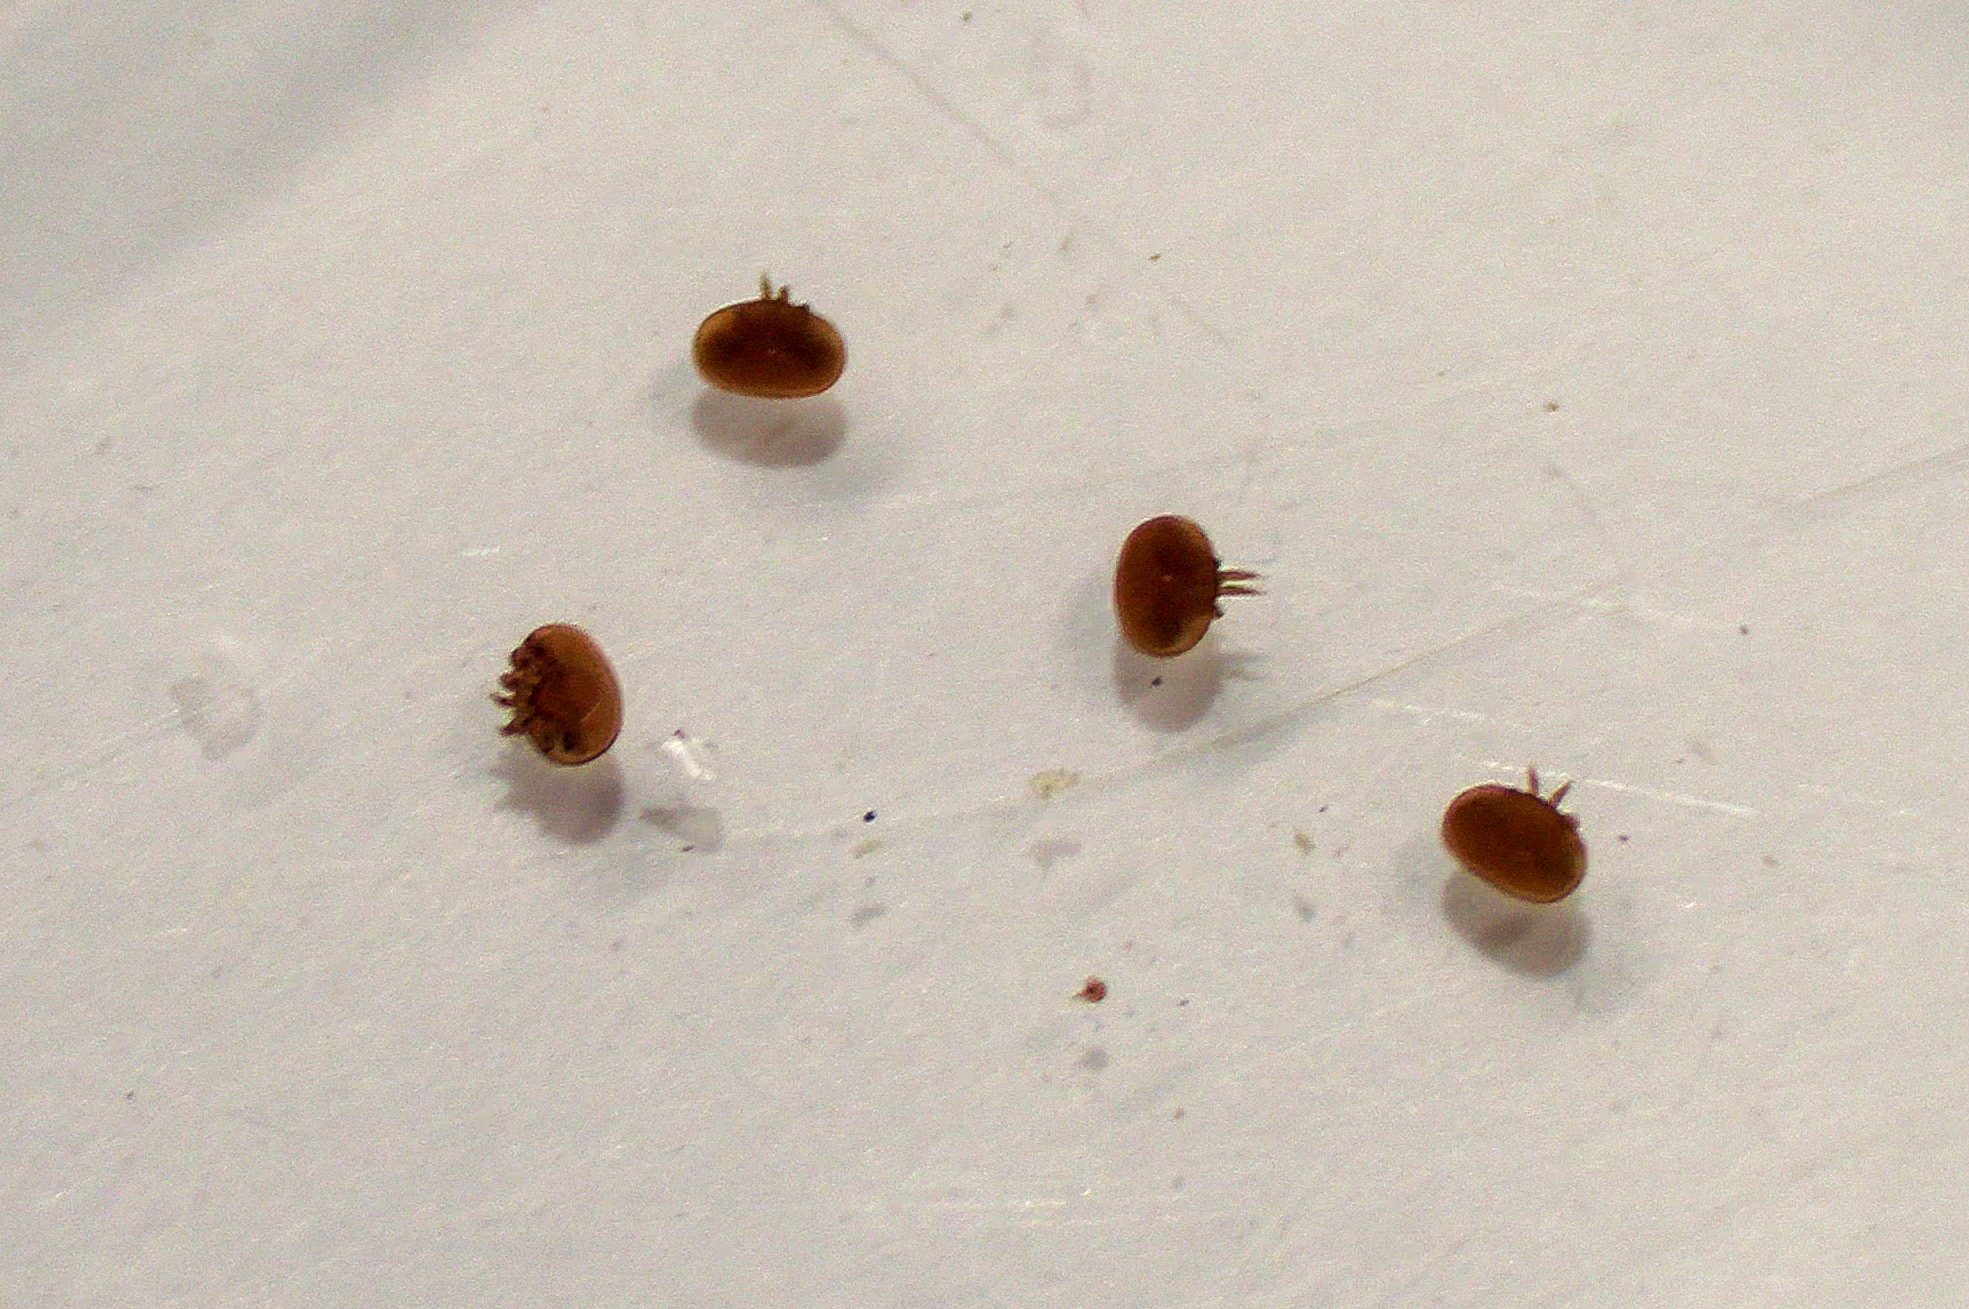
x=1518 y=841
x=769 y=347
x=563 y=695
x=1167 y=583
x=1093 y=991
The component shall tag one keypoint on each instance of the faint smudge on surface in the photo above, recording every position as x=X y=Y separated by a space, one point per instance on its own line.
x=217 y=705
x=1049 y=852
x=700 y=829
x=1051 y=783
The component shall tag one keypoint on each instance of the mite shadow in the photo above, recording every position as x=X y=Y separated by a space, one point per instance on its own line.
x=1533 y=940
x=579 y=805
x=1169 y=695
x=769 y=433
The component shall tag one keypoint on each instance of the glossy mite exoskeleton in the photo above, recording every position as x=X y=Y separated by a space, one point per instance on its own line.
x=1167 y=583
x=563 y=695
x=1518 y=841
x=769 y=347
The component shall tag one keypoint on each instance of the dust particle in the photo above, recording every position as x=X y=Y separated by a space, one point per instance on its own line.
x=1302 y=842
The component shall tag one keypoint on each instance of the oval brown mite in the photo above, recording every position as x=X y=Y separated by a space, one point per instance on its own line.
x=1518 y=841
x=1166 y=586
x=769 y=347
x=563 y=695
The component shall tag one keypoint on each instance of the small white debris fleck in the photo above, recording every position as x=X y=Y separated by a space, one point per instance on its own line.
x=692 y=755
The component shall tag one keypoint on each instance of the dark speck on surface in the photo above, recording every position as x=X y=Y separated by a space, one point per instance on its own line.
x=868 y=817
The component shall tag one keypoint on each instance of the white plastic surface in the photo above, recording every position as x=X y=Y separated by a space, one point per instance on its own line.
x=1589 y=382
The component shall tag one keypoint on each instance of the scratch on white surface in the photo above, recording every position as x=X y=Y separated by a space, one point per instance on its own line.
x=1086 y=785
x=1844 y=795
x=1610 y=605
x=1591 y=514
x=101 y=756
x=1093 y=784
x=480 y=552
x=1083 y=1210
x=1429 y=714
x=1883 y=484
x=1253 y=731
x=119 y=744
x=1422 y=1268
x=1674 y=797
x=1074 y=220
x=1648 y=793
